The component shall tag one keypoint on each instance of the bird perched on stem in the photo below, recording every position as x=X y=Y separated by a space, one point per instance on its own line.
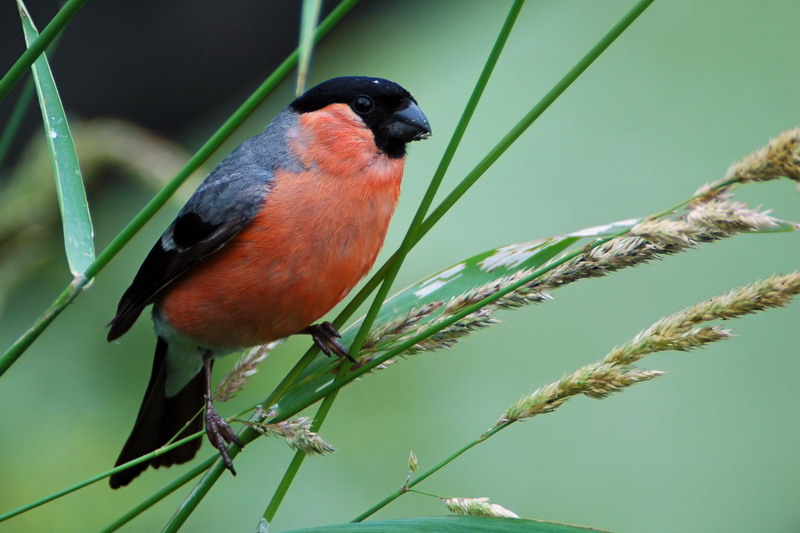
x=269 y=242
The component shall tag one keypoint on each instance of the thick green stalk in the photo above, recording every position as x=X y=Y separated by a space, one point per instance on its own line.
x=408 y=243
x=210 y=478
x=71 y=292
x=21 y=66
x=425 y=475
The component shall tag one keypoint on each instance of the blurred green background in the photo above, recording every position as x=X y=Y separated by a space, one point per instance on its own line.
x=711 y=446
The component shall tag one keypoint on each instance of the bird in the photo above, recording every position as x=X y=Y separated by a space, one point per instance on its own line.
x=278 y=234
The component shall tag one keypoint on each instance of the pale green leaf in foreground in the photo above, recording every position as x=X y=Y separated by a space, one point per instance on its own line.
x=468 y=275
x=443 y=524
x=460 y=278
x=77 y=224
x=497 y=263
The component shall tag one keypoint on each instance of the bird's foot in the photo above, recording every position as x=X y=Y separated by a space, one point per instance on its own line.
x=220 y=434
x=325 y=335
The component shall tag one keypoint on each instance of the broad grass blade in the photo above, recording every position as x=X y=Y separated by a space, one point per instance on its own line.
x=443 y=524
x=77 y=224
x=474 y=272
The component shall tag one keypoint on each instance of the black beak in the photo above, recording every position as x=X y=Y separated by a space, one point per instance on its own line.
x=409 y=124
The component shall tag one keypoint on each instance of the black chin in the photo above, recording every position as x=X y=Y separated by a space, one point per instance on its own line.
x=394 y=148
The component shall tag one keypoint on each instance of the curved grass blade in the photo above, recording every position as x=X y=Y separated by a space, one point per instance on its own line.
x=308 y=27
x=457 y=279
x=77 y=224
x=442 y=524
x=500 y=262
x=475 y=272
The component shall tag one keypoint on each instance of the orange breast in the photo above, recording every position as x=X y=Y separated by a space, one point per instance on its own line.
x=318 y=234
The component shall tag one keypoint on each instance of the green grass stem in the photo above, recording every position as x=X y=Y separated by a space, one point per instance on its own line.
x=21 y=66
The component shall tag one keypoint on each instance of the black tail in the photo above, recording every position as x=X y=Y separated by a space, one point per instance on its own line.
x=159 y=419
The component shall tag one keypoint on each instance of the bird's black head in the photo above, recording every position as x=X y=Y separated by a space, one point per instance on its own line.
x=385 y=107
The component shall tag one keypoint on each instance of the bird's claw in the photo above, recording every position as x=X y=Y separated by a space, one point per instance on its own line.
x=220 y=434
x=325 y=335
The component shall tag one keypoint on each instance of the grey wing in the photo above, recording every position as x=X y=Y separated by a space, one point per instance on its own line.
x=221 y=207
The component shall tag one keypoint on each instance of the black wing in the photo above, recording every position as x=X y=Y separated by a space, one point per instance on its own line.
x=188 y=240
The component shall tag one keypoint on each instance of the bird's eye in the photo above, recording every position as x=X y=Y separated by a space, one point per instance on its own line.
x=363 y=104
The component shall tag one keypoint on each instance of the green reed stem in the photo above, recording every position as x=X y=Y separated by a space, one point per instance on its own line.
x=21 y=66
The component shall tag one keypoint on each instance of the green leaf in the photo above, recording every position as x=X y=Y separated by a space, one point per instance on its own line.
x=498 y=262
x=78 y=233
x=486 y=267
x=442 y=524
x=465 y=276
x=308 y=28
x=458 y=279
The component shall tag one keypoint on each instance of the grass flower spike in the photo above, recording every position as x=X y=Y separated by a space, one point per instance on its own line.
x=477 y=507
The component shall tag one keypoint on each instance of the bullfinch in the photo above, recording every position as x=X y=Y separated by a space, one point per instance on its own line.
x=269 y=242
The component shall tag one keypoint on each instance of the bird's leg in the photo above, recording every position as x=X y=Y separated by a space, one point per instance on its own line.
x=218 y=431
x=325 y=335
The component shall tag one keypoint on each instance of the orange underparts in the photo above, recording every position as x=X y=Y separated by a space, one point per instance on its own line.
x=317 y=235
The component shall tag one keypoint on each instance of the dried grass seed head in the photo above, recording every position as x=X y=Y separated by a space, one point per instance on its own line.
x=242 y=371
x=477 y=507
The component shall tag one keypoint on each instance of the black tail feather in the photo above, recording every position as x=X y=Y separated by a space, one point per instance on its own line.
x=159 y=419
